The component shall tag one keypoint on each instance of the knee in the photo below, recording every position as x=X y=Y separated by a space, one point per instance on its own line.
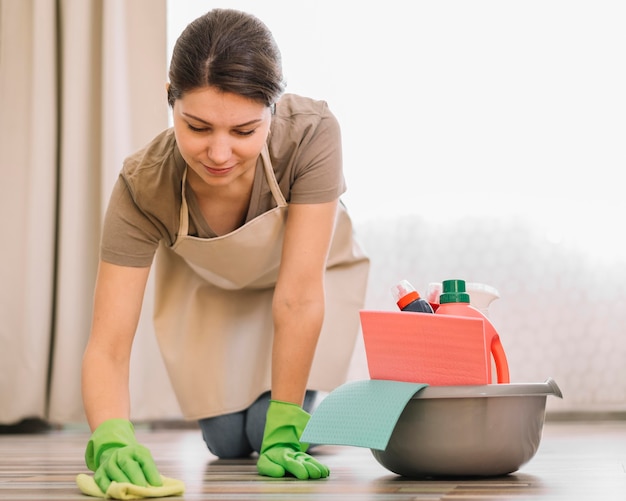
x=255 y=421
x=225 y=436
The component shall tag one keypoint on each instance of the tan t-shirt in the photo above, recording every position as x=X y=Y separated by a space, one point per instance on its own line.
x=305 y=150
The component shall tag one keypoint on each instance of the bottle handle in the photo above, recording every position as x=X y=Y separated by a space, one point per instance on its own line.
x=502 y=366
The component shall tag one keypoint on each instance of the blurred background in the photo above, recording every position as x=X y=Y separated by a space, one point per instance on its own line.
x=482 y=140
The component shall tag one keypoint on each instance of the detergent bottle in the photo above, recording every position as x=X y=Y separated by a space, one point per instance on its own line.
x=454 y=300
x=408 y=299
x=481 y=295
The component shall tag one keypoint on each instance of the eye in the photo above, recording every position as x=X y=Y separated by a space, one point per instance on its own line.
x=245 y=132
x=197 y=129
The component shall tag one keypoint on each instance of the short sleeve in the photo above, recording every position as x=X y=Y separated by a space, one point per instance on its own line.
x=129 y=238
x=318 y=175
x=305 y=148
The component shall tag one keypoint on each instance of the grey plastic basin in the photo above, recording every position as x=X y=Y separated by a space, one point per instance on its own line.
x=466 y=431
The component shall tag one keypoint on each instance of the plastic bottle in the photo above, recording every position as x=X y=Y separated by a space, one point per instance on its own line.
x=408 y=299
x=432 y=294
x=454 y=300
x=481 y=295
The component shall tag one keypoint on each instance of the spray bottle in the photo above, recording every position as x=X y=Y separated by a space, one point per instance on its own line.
x=454 y=300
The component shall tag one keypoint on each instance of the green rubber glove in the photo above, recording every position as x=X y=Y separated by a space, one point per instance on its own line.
x=281 y=450
x=113 y=453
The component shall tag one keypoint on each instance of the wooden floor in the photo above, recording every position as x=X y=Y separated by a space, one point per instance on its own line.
x=575 y=461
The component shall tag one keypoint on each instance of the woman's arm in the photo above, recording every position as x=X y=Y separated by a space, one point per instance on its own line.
x=105 y=371
x=298 y=306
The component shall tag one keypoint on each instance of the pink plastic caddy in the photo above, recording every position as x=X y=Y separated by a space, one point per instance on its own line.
x=452 y=347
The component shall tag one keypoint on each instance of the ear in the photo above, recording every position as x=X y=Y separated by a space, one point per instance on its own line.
x=167 y=95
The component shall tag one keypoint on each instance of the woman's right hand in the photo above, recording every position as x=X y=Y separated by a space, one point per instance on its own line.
x=131 y=463
x=114 y=454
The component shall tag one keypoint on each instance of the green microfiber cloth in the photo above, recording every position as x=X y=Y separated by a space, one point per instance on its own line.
x=125 y=490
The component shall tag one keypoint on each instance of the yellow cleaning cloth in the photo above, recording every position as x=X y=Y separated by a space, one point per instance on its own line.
x=125 y=490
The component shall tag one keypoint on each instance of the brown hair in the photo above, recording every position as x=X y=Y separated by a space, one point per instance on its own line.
x=230 y=50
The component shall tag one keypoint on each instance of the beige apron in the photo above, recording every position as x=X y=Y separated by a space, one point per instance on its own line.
x=213 y=313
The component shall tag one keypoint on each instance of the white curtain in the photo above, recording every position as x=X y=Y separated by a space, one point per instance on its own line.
x=28 y=152
x=81 y=86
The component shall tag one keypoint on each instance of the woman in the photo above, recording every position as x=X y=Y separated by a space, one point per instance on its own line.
x=258 y=278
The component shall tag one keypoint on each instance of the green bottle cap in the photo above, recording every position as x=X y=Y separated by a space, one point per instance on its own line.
x=454 y=292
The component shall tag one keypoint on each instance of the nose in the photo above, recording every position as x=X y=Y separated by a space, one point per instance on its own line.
x=219 y=150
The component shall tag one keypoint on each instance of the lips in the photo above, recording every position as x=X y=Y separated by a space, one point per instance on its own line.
x=218 y=172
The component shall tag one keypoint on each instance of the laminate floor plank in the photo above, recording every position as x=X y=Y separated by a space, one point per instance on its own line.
x=575 y=461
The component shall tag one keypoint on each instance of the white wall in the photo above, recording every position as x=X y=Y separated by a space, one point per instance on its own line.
x=482 y=140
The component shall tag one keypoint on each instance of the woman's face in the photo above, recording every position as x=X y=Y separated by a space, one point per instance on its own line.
x=220 y=135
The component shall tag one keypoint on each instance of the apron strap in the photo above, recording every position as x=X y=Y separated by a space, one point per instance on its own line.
x=270 y=176
x=183 y=227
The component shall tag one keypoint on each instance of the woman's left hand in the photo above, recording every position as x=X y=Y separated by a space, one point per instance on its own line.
x=281 y=451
